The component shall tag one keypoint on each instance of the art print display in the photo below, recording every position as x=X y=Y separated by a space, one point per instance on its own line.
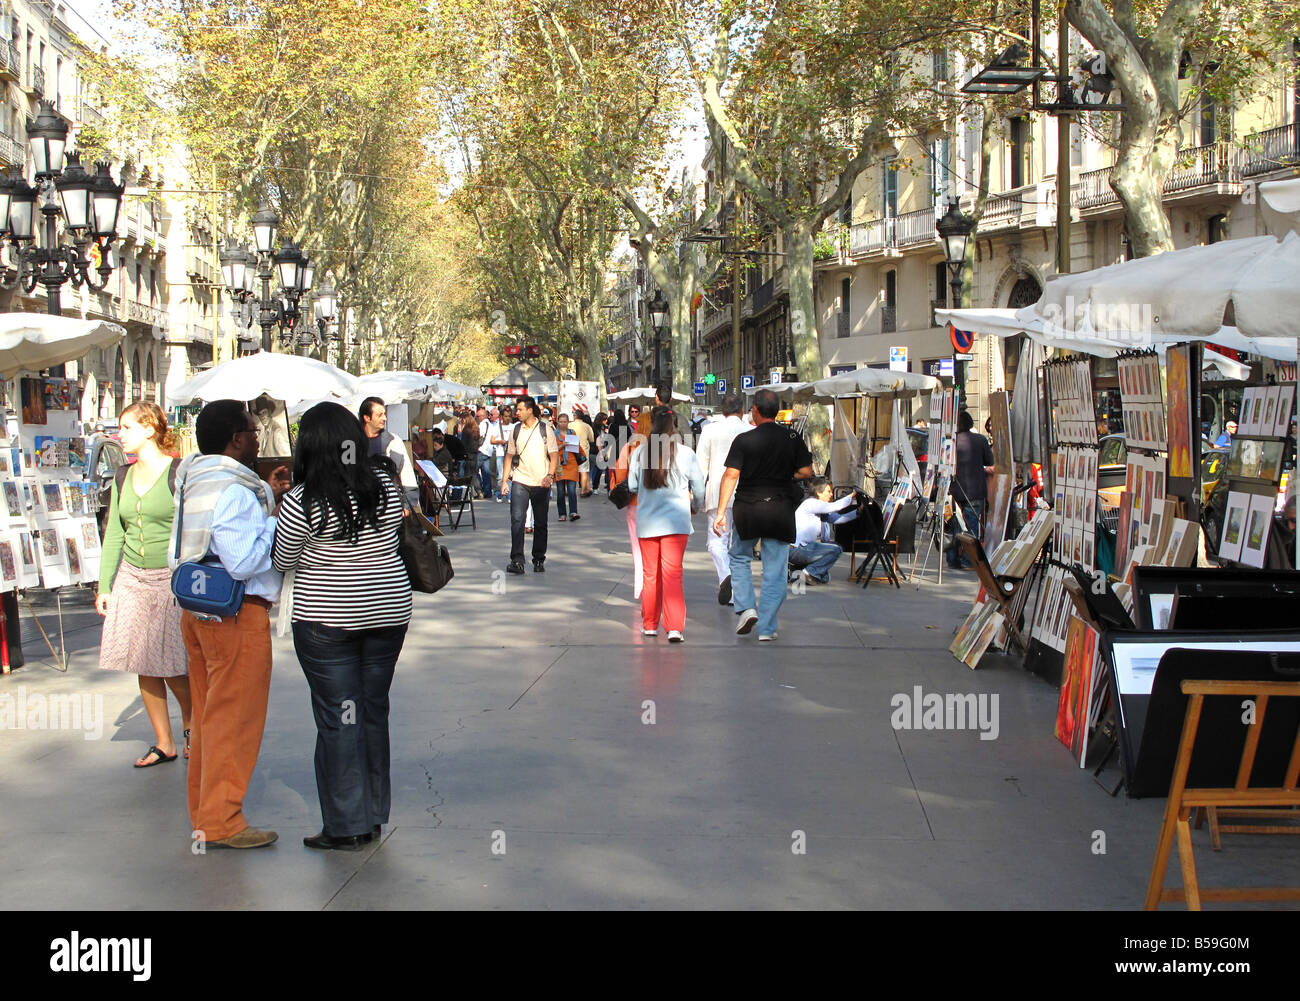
x=13 y=502
x=1078 y=681
x=61 y=394
x=1259 y=522
x=1233 y=536
x=74 y=558
x=1282 y=417
x=8 y=563
x=51 y=452
x=89 y=537
x=1001 y=483
x=1183 y=445
x=33 y=400
x=52 y=499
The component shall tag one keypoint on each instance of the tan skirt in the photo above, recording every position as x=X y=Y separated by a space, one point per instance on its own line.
x=142 y=631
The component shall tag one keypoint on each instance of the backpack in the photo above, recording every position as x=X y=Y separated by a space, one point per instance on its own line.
x=120 y=476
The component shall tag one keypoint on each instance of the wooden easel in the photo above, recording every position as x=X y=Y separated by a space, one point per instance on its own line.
x=1183 y=800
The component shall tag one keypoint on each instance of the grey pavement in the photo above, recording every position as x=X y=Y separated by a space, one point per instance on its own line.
x=525 y=775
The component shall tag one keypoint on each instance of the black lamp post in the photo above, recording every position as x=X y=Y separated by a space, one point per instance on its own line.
x=243 y=267
x=955 y=229
x=89 y=205
x=658 y=308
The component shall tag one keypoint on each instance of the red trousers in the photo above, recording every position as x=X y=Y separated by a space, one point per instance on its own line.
x=661 y=577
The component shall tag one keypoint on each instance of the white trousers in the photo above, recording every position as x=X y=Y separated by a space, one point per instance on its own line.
x=720 y=545
x=630 y=510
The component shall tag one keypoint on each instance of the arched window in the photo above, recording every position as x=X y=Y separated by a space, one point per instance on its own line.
x=135 y=375
x=150 y=383
x=1025 y=292
x=119 y=381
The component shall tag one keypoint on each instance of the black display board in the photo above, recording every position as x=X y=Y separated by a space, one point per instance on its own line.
x=1164 y=582
x=1150 y=721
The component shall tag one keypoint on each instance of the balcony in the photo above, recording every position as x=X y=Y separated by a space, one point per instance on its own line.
x=12 y=152
x=842 y=325
x=1272 y=149
x=1205 y=166
x=888 y=319
x=11 y=63
x=892 y=233
x=38 y=82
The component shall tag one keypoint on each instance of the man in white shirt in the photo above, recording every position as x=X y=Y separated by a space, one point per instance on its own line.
x=373 y=416
x=491 y=446
x=813 y=549
x=532 y=459
x=711 y=450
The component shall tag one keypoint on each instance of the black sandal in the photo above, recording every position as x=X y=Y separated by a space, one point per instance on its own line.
x=162 y=758
x=187 y=745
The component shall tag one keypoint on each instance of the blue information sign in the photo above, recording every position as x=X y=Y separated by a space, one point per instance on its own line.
x=746 y=382
x=699 y=389
x=722 y=385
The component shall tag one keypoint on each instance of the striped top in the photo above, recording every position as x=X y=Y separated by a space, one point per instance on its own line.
x=361 y=585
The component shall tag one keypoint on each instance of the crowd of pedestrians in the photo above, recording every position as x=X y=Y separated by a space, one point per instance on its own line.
x=324 y=544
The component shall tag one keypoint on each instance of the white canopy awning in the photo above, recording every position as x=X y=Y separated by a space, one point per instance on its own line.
x=642 y=395
x=291 y=378
x=877 y=382
x=30 y=342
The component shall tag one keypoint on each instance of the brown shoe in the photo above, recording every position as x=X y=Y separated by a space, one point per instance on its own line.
x=249 y=837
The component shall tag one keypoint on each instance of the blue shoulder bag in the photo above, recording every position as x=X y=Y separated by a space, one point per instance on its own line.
x=204 y=587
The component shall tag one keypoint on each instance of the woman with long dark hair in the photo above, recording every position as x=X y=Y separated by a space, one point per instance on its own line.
x=338 y=530
x=669 y=486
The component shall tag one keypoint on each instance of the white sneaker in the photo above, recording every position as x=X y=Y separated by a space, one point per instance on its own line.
x=765 y=638
x=674 y=636
x=747 y=619
x=649 y=632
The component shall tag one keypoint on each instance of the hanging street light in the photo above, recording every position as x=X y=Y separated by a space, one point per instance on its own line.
x=242 y=268
x=89 y=205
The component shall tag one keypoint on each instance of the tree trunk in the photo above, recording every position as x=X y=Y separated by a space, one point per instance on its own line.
x=1143 y=163
x=803 y=331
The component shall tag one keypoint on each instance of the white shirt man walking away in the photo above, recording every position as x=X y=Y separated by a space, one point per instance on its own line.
x=711 y=450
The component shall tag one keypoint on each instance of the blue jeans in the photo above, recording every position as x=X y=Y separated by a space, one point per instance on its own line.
x=776 y=556
x=816 y=558
x=349 y=672
x=566 y=490
x=521 y=497
x=487 y=474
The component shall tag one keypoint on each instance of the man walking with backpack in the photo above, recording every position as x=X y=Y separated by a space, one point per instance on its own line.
x=761 y=468
x=224 y=512
x=532 y=458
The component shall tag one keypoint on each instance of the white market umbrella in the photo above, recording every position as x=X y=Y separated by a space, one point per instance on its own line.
x=1279 y=204
x=291 y=378
x=793 y=392
x=876 y=382
x=446 y=390
x=30 y=342
x=395 y=387
x=642 y=395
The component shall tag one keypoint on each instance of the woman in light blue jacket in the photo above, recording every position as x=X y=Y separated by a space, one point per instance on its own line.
x=669 y=486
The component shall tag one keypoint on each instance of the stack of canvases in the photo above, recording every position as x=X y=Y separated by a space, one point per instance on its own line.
x=1012 y=559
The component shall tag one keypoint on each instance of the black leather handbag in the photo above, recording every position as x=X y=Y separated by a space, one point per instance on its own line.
x=428 y=564
x=621 y=495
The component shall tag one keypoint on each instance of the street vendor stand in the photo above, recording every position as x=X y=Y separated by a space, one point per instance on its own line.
x=50 y=538
x=1156 y=317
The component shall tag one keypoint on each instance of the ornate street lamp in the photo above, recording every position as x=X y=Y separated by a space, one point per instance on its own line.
x=242 y=268
x=658 y=307
x=955 y=229
x=89 y=204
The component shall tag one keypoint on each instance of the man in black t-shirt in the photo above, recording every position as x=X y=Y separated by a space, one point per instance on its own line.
x=762 y=466
x=970 y=489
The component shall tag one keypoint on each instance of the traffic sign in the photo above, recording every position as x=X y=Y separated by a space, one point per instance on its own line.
x=722 y=385
x=774 y=377
x=746 y=382
x=961 y=339
x=699 y=389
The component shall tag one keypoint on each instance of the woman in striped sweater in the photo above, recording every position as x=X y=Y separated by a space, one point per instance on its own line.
x=338 y=531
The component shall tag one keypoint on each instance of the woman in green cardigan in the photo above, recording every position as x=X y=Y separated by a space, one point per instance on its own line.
x=142 y=622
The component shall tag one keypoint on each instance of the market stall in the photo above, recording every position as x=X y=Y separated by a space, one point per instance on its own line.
x=50 y=499
x=1153 y=319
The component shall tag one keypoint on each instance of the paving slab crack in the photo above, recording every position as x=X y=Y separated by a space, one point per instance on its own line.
x=919 y=801
x=537 y=679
